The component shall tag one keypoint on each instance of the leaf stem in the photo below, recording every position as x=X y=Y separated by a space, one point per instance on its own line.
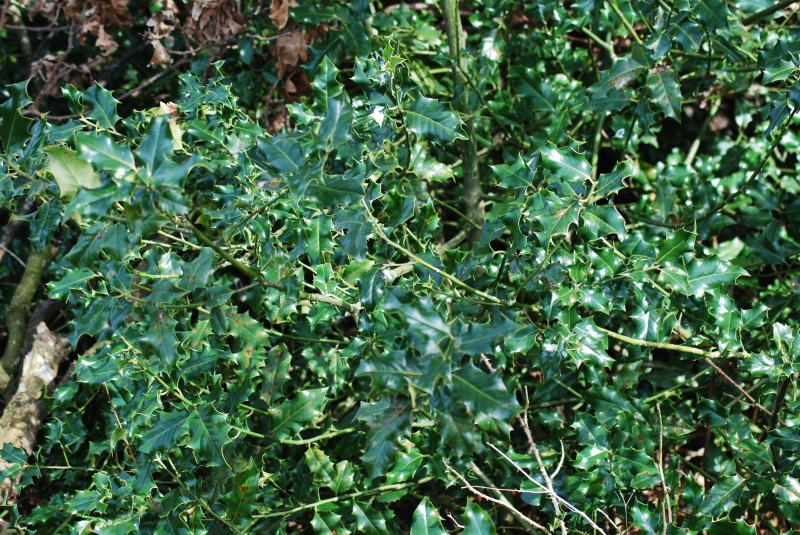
x=175 y=475
x=322 y=298
x=323 y=436
x=433 y=268
x=594 y=37
x=659 y=345
x=345 y=497
x=625 y=22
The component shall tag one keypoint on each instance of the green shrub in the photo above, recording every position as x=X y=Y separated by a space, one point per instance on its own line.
x=304 y=332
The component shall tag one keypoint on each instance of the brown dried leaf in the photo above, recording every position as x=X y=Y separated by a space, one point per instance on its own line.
x=160 y=55
x=115 y=14
x=105 y=43
x=279 y=12
x=289 y=50
x=212 y=21
x=297 y=86
x=276 y=119
x=169 y=108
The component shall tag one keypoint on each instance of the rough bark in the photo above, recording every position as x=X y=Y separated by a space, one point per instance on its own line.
x=18 y=312
x=44 y=312
x=25 y=412
x=473 y=195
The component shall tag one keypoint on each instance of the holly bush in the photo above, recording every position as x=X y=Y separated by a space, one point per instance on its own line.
x=303 y=330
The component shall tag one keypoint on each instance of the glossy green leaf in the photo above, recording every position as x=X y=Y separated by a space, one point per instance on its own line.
x=428 y=119
x=426 y=520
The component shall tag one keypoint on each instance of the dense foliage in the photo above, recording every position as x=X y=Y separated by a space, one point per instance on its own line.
x=289 y=331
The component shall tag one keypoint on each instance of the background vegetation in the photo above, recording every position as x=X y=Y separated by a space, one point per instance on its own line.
x=363 y=267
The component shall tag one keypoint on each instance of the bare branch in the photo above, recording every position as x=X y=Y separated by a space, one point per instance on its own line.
x=559 y=498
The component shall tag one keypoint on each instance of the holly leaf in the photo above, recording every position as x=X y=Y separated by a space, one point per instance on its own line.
x=665 y=91
x=708 y=274
x=368 y=520
x=610 y=183
x=338 y=478
x=518 y=175
x=208 y=433
x=104 y=106
x=429 y=119
x=779 y=72
x=477 y=521
x=554 y=215
x=104 y=153
x=537 y=93
x=241 y=499
x=166 y=432
x=484 y=394
x=722 y=496
x=14 y=126
x=275 y=373
x=385 y=420
x=292 y=416
x=426 y=520
x=70 y=171
x=600 y=221
x=712 y=13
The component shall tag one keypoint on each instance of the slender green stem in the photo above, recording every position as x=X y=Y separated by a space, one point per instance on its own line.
x=473 y=194
x=158 y=379
x=303 y=339
x=428 y=265
x=625 y=22
x=697 y=469
x=500 y=123
x=538 y=269
x=344 y=497
x=678 y=386
x=322 y=298
x=323 y=436
x=598 y=135
x=176 y=476
x=235 y=263
x=597 y=39
x=696 y=143
x=659 y=345
x=776 y=407
x=155 y=276
x=457 y=212
x=248 y=432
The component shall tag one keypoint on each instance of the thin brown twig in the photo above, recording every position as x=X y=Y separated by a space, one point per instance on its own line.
x=661 y=466
x=523 y=418
x=52 y=80
x=487 y=363
x=454 y=521
x=737 y=387
x=34 y=28
x=119 y=424
x=545 y=489
x=500 y=500
x=154 y=78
